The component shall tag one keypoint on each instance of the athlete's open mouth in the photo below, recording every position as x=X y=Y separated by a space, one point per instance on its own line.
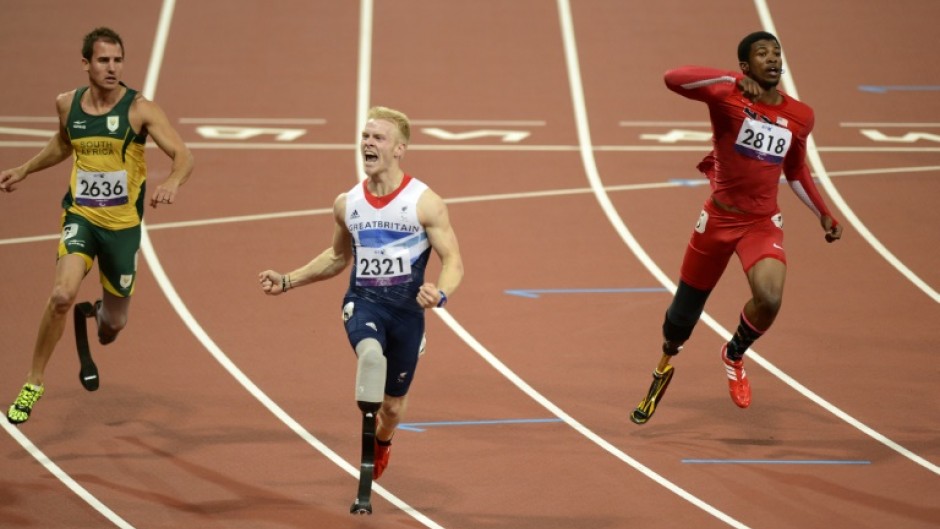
x=369 y=157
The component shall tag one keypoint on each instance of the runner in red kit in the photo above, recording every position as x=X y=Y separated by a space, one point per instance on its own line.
x=759 y=133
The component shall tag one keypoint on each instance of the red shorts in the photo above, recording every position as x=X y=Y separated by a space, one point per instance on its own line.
x=720 y=233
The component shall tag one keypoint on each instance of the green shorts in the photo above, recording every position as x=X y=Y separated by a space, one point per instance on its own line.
x=116 y=251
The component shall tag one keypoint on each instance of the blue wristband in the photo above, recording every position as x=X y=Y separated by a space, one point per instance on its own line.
x=443 y=300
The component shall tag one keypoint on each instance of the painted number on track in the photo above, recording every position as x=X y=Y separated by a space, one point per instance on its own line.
x=216 y=132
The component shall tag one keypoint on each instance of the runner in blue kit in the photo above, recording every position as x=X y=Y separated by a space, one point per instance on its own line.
x=385 y=227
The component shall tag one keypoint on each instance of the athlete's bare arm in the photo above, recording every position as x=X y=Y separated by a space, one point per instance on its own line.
x=56 y=150
x=432 y=213
x=147 y=115
x=327 y=264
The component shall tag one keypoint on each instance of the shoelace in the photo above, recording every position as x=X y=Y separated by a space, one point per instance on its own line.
x=28 y=397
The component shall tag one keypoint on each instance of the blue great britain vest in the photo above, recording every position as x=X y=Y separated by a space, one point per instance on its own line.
x=390 y=247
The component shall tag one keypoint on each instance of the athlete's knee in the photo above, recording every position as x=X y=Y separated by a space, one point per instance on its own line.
x=687 y=305
x=766 y=279
x=768 y=301
x=393 y=407
x=62 y=299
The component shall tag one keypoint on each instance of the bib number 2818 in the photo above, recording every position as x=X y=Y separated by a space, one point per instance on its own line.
x=763 y=141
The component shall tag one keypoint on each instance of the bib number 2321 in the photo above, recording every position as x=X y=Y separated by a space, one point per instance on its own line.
x=382 y=266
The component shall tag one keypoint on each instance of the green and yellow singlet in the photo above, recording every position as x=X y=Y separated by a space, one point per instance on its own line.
x=107 y=186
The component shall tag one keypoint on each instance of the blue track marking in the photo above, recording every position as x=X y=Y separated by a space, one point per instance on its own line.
x=776 y=462
x=882 y=89
x=535 y=293
x=689 y=182
x=422 y=426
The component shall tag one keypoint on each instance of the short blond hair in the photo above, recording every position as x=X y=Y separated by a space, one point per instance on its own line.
x=397 y=117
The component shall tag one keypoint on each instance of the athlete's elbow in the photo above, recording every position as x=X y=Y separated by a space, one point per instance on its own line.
x=339 y=263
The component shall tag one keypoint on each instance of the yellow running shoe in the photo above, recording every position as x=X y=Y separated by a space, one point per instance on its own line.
x=23 y=405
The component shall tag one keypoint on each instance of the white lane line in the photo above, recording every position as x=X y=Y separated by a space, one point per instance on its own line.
x=28 y=119
x=232 y=145
x=255 y=121
x=864 y=172
x=665 y=124
x=892 y=124
x=62 y=476
x=457 y=200
x=327 y=211
x=820 y=170
x=364 y=80
x=479 y=122
x=16 y=131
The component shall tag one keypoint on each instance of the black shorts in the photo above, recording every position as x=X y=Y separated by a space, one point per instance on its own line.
x=398 y=331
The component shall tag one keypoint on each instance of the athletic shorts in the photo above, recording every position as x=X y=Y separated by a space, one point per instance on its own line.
x=399 y=332
x=718 y=234
x=116 y=251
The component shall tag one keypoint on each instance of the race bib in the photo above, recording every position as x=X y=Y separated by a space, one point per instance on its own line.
x=97 y=190
x=763 y=141
x=382 y=266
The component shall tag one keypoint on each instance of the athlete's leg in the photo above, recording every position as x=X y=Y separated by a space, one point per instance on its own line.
x=390 y=415
x=117 y=263
x=70 y=270
x=680 y=319
x=681 y=316
x=111 y=316
x=765 y=263
x=766 y=279
x=706 y=257
x=405 y=339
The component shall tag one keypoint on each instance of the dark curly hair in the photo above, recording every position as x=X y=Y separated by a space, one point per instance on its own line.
x=744 y=48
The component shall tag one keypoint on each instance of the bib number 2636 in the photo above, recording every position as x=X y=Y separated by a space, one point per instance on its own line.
x=101 y=189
